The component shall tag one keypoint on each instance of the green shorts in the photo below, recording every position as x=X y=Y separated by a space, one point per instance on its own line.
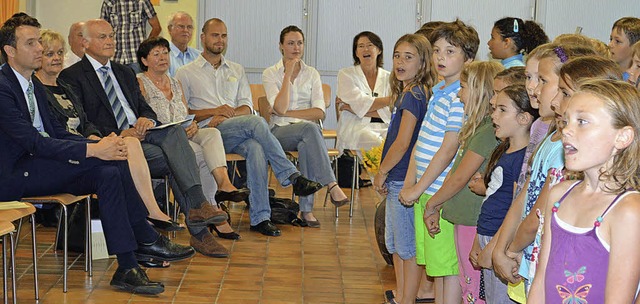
x=438 y=255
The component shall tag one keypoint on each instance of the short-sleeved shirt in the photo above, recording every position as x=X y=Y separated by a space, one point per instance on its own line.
x=464 y=207
x=500 y=192
x=304 y=93
x=179 y=58
x=205 y=87
x=416 y=103
x=129 y=21
x=445 y=113
x=549 y=156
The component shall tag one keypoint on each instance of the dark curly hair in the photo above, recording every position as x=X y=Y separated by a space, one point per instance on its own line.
x=526 y=35
x=457 y=33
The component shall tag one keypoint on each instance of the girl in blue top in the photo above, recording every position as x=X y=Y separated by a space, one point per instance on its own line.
x=512 y=118
x=411 y=78
x=511 y=38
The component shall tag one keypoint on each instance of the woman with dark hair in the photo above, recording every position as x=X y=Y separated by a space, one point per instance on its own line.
x=164 y=94
x=294 y=91
x=363 y=91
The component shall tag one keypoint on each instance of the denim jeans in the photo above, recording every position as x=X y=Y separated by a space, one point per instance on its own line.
x=250 y=137
x=313 y=158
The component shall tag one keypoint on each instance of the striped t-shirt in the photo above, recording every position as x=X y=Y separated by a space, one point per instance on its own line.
x=445 y=113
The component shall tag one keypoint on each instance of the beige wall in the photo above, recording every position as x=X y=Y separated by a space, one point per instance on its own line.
x=57 y=16
x=167 y=7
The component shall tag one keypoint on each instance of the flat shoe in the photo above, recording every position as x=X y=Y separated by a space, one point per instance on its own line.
x=267 y=228
x=313 y=224
x=236 y=196
x=388 y=295
x=303 y=186
x=163 y=250
x=165 y=225
x=135 y=280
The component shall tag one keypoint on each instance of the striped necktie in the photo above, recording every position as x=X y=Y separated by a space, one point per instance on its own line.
x=116 y=106
x=31 y=100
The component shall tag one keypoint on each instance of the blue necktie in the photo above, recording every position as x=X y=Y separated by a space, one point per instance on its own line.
x=116 y=106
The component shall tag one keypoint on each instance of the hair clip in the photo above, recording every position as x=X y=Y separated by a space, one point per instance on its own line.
x=561 y=54
x=516 y=27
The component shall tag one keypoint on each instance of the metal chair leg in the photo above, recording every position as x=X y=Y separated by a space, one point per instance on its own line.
x=13 y=269
x=88 y=256
x=356 y=179
x=18 y=232
x=55 y=242
x=65 y=244
x=35 y=256
x=4 y=270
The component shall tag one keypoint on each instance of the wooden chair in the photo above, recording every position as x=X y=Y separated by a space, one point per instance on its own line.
x=7 y=228
x=65 y=200
x=11 y=215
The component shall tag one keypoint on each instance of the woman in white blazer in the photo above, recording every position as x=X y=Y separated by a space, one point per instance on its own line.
x=363 y=96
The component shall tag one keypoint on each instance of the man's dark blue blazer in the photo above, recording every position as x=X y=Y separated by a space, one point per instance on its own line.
x=20 y=142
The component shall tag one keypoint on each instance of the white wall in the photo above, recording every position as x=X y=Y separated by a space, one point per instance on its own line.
x=58 y=15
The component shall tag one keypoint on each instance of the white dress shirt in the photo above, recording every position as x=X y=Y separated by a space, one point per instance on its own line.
x=206 y=87
x=355 y=131
x=305 y=91
x=70 y=58
x=24 y=85
x=131 y=116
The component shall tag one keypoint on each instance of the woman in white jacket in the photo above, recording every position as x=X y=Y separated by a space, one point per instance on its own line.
x=363 y=101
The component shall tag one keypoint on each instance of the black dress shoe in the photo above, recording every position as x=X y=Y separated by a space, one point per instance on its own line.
x=135 y=280
x=238 y=195
x=303 y=187
x=163 y=250
x=267 y=228
x=224 y=235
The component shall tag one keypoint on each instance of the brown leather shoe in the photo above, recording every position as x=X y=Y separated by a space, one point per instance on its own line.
x=207 y=215
x=209 y=247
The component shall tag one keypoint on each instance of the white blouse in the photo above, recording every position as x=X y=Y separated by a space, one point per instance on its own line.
x=355 y=131
x=305 y=91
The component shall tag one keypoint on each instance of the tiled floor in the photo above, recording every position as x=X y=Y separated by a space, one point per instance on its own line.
x=338 y=263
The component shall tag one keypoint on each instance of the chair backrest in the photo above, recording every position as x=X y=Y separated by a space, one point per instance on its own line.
x=264 y=108
x=257 y=91
x=326 y=91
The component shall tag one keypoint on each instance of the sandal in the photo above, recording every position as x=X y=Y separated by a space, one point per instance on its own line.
x=339 y=203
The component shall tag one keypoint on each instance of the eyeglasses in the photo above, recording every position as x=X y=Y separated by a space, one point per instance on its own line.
x=184 y=27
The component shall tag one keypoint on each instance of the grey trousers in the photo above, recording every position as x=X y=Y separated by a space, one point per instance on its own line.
x=313 y=161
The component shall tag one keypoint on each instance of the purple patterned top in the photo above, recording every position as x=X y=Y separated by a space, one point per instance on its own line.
x=578 y=260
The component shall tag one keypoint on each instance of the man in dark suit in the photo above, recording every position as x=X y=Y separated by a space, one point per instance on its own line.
x=112 y=101
x=39 y=157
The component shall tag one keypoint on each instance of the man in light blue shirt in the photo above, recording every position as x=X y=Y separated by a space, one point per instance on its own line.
x=180 y=29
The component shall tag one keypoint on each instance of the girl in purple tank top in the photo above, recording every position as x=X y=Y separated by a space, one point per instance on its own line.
x=587 y=254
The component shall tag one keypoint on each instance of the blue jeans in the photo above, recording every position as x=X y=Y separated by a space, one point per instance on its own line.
x=250 y=137
x=313 y=158
x=399 y=230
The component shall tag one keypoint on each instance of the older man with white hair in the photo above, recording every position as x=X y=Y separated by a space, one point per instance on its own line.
x=180 y=27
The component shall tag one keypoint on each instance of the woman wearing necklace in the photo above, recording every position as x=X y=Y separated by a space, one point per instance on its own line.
x=363 y=91
x=69 y=112
x=294 y=91
x=164 y=94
